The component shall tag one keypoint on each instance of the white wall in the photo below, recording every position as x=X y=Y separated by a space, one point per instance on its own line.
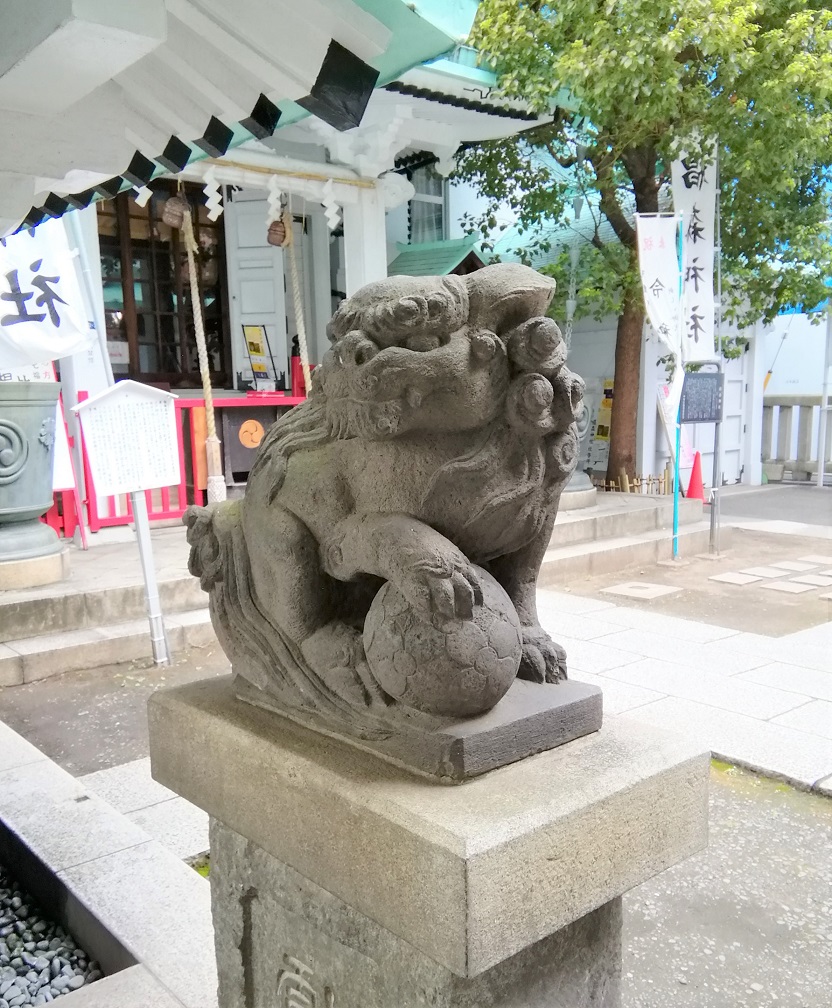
x=463 y=199
x=798 y=369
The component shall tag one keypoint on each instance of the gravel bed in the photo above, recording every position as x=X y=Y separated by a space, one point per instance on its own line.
x=39 y=961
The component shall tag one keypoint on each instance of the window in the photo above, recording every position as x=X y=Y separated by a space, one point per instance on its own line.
x=147 y=296
x=428 y=213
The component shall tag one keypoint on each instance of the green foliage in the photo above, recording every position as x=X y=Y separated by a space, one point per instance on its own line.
x=645 y=78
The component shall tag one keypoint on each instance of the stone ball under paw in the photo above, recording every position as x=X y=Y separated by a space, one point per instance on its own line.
x=450 y=667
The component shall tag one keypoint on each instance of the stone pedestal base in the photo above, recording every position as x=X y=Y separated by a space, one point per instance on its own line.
x=34 y=571
x=284 y=942
x=578 y=493
x=335 y=868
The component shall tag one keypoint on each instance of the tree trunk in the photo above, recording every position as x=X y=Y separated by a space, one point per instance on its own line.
x=625 y=402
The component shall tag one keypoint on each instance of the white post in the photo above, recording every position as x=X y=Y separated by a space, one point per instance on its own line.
x=365 y=240
x=158 y=638
x=648 y=409
x=321 y=285
x=754 y=377
x=824 y=400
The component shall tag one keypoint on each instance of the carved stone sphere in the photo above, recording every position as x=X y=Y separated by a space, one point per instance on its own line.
x=448 y=667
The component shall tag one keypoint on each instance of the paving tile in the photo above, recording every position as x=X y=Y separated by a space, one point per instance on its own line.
x=770 y=748
x=794 y=565
x=593 y=656
x=788 y=587
x=816 y=580
x=805 y=681
x=718 y=657
x=568 y=603
x=640 y=590
x=656 y=622
x=618 y=696
x=763 y=572
x=134 y=987
x=814 y=717
x=735 y=579
x=180 y=826
x=722 y=692
x=780 y=649
x=160 y=909
x=827 y=596
x=820 y=635
x=62 y=823
x=816 y=559
x=15 y=751
x=579 y=627
x=128 y=787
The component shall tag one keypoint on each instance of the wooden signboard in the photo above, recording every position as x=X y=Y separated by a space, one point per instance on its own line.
x=130 y=435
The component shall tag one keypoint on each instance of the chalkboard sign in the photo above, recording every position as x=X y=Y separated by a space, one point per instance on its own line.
x=702 y=397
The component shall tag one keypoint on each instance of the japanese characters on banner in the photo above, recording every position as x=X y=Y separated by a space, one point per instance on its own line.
x=42 y=317
x=658 y=260
x=694 y=197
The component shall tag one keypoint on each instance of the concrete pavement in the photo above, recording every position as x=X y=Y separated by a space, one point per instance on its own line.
x=758 y=701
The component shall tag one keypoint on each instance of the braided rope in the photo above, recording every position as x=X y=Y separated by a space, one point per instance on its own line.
x=199 y=327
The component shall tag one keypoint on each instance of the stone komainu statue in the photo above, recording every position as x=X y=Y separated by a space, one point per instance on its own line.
x=381 y=568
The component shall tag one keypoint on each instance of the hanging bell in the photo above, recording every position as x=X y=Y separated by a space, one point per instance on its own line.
x=174 y=210
x=276 y=235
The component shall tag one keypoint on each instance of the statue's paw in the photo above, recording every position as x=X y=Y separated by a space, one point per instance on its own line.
x=543 y=660
x=446 y=587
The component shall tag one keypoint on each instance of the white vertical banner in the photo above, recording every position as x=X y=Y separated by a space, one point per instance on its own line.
x=694 y=197
x=658 y=261
x=42 y=316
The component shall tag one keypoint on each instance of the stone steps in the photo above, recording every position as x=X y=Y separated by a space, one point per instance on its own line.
x=64 y=609
x=619 y=516
x=604 y=556
x=28 y=659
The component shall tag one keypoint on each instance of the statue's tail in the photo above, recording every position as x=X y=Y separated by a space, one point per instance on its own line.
x=258 y=648
x=219 y=558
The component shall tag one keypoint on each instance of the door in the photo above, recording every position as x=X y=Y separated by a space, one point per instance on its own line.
x=257 y=291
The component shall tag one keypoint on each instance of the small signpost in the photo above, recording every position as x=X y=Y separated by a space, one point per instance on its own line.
x=702 y=397
x=130 y=435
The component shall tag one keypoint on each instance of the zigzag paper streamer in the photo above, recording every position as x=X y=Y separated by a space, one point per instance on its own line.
x=274 y=200
x=213 y=197
x=331 y=209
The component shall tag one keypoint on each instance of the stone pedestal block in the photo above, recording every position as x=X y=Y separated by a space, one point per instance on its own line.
x=284 y=942
x=363 y=884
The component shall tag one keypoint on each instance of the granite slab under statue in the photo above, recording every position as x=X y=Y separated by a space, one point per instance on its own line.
x=377 y=582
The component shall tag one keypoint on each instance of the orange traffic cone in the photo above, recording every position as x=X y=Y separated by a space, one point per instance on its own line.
x=696 y=488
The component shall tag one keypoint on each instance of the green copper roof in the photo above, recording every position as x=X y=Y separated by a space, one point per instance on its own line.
x=437 y=258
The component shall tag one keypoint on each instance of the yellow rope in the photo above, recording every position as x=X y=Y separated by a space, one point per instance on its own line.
x=199 y=328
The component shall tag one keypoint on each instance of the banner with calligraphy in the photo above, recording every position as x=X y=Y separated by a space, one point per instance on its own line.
x=694 y=197
x=658 y=260
x=42 y=315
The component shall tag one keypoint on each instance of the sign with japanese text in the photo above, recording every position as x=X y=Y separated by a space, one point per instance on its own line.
x=42 y=314
x=658 y=260
x=130 y=437
x=702 y=397
x=694 y=197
